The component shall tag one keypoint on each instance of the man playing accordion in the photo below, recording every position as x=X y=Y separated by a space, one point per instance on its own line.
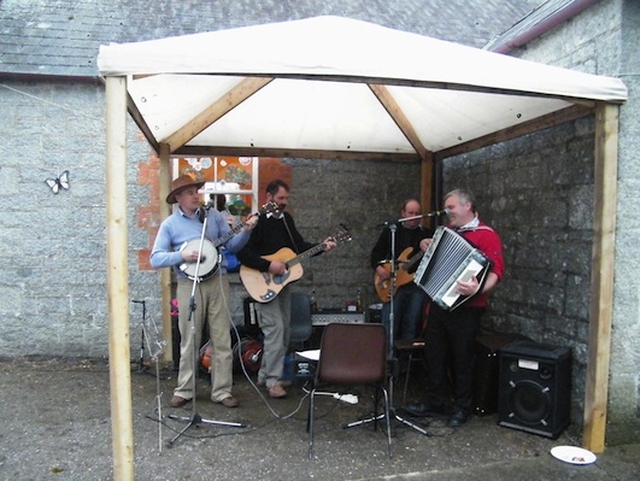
x=450 y=333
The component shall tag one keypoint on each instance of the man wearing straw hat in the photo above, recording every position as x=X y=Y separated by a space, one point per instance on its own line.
x=211 y=292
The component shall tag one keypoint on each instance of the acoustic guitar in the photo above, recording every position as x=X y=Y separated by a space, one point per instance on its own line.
x=209 y=257
x=404 y=273
x=263 y=287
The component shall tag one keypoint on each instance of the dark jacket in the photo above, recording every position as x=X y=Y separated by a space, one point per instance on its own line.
x=269 y=236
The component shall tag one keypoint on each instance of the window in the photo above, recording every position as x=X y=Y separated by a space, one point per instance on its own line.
x=234 y=177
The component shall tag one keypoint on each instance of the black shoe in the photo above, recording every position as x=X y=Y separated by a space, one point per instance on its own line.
x=458 y=418
x=425 y=410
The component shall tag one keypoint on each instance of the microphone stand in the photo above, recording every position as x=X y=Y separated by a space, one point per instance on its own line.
x=141 y=366
x=391 y=359
x=154 y=354
x=195 y=419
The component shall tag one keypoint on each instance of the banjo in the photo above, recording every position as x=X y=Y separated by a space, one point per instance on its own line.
x=209 y=256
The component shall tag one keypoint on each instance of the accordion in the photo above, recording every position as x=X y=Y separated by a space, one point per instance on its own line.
x=450 y=258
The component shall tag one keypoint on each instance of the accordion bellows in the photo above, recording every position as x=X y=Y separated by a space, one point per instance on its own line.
x=450 y=258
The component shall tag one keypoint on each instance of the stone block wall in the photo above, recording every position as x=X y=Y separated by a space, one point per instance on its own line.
x=603 y=40
x=53 y=280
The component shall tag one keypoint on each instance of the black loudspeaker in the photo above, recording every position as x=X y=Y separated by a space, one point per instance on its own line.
x=535 y=388
x=487 y=369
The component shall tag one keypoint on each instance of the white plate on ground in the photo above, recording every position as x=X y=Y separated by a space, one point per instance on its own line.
x=573 y=455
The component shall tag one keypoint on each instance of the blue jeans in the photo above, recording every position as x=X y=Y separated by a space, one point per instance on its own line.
x=408 y=311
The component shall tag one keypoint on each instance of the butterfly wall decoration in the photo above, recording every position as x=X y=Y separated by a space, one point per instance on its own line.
x=60 y=182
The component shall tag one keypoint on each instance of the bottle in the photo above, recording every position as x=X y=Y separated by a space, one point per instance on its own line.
x=359 y=301
x=313 y=302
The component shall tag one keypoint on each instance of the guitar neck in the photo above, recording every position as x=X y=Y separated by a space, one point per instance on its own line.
x=270 y=207
x=221 y=240
x=305 y=255
x=413 y=260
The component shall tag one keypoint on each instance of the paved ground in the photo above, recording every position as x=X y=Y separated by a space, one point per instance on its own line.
x=55 y=425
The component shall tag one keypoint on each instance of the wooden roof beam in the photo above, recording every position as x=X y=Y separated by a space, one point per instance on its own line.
x=540 y=123
x=213 y=150
x=393 y=109
x=234 y=97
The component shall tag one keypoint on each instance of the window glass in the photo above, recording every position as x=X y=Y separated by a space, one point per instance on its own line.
x=234 y=177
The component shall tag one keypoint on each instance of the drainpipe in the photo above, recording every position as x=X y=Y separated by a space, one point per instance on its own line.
x=541 y=20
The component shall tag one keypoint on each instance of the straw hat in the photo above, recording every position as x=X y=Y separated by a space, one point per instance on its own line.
x=181 y=183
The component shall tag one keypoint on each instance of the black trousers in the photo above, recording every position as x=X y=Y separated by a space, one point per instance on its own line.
x=450 y=349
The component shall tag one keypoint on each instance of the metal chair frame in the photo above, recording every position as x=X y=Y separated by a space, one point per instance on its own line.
x=352 y=354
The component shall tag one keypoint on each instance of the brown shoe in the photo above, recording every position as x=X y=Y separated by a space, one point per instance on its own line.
x=229 y=402
x=277 y=391
x=177 y=401
x=282 y=382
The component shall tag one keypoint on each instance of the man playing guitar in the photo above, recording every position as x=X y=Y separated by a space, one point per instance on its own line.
x=273 y=232
x=409 y=299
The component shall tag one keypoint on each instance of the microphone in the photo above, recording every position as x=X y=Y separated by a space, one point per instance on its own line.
x=436 y=213
x=209 y=205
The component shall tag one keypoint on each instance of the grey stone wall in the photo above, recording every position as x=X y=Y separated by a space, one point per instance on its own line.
x=611 y=48
x=605 y=40
x=53 y=280
x=359 y=194
x=624 y=384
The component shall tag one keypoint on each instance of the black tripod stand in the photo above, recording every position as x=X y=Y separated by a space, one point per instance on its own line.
x=144 y=338
x=143 y=335
x=151 y=343
x=195 y=419
x=392 y=362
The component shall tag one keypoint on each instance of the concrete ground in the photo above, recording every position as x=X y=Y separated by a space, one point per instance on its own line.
x=56 y=425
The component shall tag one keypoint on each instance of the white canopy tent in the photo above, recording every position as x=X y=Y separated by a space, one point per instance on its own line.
x=330 y=87
x=334 y=86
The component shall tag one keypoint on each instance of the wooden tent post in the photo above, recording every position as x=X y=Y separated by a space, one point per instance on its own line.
x=164 y=178
x=426 y=175
x=602 y=277
x=118 y=279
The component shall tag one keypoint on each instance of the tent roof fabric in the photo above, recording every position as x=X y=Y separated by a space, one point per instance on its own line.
x=339 y=85
x=50 y=37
